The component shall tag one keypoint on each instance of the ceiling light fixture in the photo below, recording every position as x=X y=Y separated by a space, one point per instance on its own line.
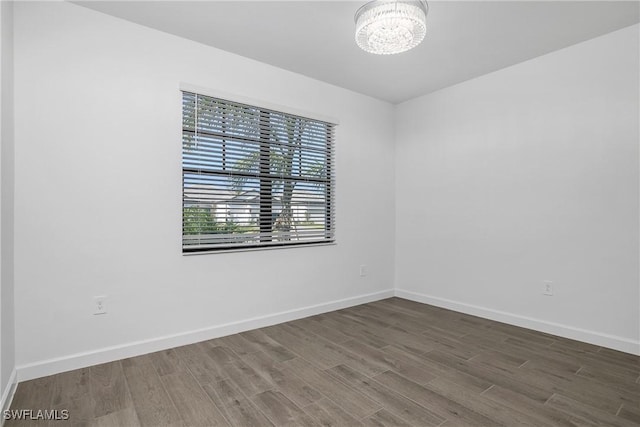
x=386 y=27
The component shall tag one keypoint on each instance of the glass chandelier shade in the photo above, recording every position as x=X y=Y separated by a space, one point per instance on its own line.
x=386 y=27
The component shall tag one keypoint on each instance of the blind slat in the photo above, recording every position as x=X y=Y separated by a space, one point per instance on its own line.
x=253 y=177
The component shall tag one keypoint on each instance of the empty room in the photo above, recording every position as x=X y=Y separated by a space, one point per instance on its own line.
x=320 y=213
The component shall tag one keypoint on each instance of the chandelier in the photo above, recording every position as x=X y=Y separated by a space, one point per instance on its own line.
x=385 y=27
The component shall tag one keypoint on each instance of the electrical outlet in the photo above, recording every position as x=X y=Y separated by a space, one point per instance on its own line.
x=100 y=305
x=363 y=270
x=547 y=288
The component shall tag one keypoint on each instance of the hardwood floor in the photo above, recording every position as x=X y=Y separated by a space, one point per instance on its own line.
x=388 y=363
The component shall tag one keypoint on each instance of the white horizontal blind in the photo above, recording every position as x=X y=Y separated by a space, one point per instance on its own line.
x=254 y=177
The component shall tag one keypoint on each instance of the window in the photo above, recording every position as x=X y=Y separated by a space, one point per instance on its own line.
x=253 y=177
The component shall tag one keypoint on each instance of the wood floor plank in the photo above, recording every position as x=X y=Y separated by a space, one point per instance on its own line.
x=485 y=338
x=387 y=361
x=630 y=414
x=498 y=360
x=152 y=402
x=203 y=368
x=587 y=413
x=408 y=322
x=441 y=371
x=285 y=381
x=80 y=411
x=408 y=341
x=168 y=362
x=566 y=342
x=365 y=315
x=354 y=329
x=452 y=330
x=611 y=379
x=440 y=405
x=494 y=376
x=193 y=404
x=70 y=386
x=238 y=344
x=496 y=411
x=556 y=379
x=534 y=353
x=247 y=379
x=384 y=418
x=309 y=347
x=341 y=352
x=560 y=354
x=397 y=305
x=33 y=395
x=613 y=359
x=268 y=345
x=615 y=356
x=317 y=328
x=478 y=323
x=453 y=347
x=281 y=410
x=109 y=389
x=349 y=398
x=430 y=310
x=122 y=417
x=393 y=402
x=446 y=326
x=328 y=414
x=235 y=407
x=591 y=393
x=524 y=334
x=546 y=414
x=400 y=313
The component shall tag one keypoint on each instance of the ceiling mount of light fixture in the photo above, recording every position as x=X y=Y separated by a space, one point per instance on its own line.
x=386 y=27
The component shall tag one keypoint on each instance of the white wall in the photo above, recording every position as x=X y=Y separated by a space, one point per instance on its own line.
x=7 y=342
x=524 y=175
x=98 y=193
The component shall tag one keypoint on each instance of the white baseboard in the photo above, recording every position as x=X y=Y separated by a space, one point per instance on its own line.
x=108 y=354
x=605 y=340
x=8 y=393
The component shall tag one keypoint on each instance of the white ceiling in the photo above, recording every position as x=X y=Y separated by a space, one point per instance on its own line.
x=464 y=39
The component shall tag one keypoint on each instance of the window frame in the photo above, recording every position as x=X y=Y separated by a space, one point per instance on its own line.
x=265 y=220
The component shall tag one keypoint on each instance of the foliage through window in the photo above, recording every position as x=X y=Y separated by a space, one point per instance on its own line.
x=253 y=177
